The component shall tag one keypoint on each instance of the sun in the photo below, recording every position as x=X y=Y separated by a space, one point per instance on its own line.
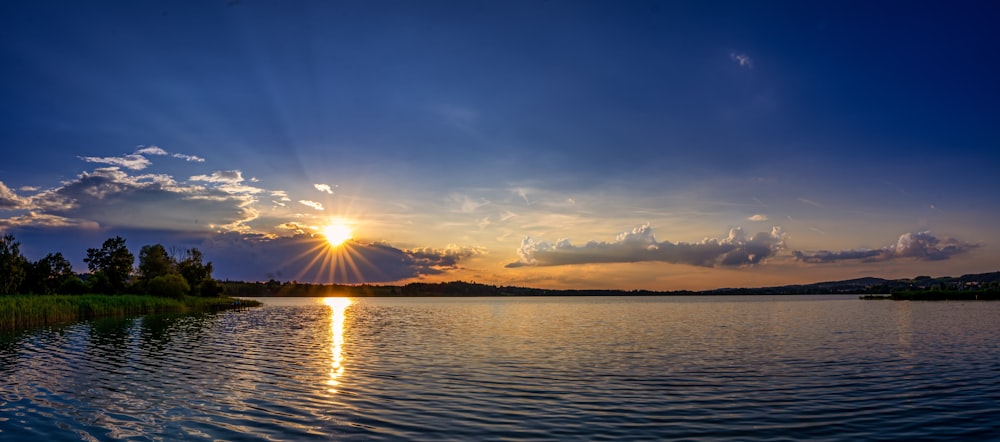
x=337 y=234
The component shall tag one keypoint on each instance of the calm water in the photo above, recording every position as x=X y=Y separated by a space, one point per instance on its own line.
x=762 y=368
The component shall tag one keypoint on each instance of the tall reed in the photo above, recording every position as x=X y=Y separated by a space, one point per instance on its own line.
x=23 y=311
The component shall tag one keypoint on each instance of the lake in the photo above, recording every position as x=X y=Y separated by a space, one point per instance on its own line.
x=573 y=368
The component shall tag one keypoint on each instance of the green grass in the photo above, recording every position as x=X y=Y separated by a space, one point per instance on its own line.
x=23 y=311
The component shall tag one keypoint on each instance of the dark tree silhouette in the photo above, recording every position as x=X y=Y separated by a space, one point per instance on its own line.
x=194 y=270
x=13 y=266
x=172 y=285
x=48 y=274
x=154 y=261
x=113 y=261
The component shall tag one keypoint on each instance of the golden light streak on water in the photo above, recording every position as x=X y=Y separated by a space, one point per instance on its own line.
x=338 y=314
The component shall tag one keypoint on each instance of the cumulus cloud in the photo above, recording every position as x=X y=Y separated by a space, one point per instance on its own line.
x=922 y=246
x=639 y=245
x=111 y=197
x=432 y=260
x=313 y=204
x=742 y=59
x=9 y=200
x=133 y=161
x=757 y=217
x=324 y=188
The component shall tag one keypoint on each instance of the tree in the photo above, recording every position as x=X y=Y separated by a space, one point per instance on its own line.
x=46 y=275
x=114 y=261
x=72 y=285
x=172 y=285
x=154 y=261
x=193 y=270
x=210 y=287
x=13 y=266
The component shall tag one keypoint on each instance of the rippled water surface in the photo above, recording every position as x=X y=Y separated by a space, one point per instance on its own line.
x=746 y=368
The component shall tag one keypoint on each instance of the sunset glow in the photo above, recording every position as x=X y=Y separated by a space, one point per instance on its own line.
x=576 y=145
x=337 y=234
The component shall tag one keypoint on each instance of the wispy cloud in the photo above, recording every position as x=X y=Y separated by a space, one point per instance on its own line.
x=324 y=188
x=742 y=59
x=313 y=204
x=220 y=176
x=758 y=217
x=151 y=150
x=133 y=161
x=809 y=202
x=45 y=220
x=640 y=245
x=921 y=246
x=189 y=158
x=467 y=204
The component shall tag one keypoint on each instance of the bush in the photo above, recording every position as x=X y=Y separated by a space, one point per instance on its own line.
x=172 y=285
x=72 y=285
x=210 y=288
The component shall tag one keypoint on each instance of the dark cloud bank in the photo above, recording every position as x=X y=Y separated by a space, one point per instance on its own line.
x=922 y=246
x=736 y=250
x=306 y=258
x=640 y=245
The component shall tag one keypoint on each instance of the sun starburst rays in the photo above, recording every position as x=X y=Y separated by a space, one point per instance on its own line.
x=341 y=263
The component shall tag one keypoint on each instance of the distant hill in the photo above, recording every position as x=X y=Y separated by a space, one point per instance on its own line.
x=868 y=285
x=872 y=285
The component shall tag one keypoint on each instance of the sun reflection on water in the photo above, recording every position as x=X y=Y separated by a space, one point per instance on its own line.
x=338 y=313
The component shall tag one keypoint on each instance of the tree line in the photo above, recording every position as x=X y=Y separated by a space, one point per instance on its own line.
x=111 y=271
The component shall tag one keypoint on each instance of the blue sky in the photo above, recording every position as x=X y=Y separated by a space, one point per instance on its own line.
x=660 y=145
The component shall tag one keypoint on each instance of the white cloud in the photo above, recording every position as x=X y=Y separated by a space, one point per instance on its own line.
x=134 y=161
x=151 y=150
x=467 y=204
x=313 y=204
x=324 y=188
x=921 y=246
x=640 y=245
x=9 y=200
x=111 y=197
x=229 y=181
x=758 y=217
x=743 y=60
x=220 y=176
x=189 y=158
